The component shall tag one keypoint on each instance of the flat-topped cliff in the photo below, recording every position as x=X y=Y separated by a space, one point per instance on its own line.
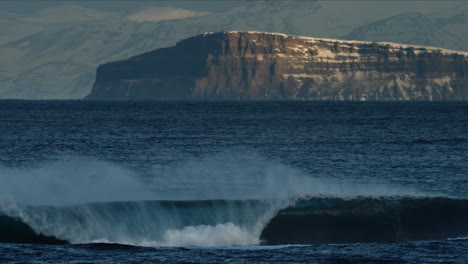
x=269 y=66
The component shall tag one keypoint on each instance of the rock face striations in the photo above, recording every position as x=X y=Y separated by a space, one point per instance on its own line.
x=269 y=66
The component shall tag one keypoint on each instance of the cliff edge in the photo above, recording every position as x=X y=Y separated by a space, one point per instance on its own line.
x=269 y=66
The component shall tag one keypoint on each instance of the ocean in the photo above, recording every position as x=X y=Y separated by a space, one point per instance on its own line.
x=237 y=182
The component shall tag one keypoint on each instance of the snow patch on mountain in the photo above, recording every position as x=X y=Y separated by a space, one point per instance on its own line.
x=163 y=13
x=348 y=45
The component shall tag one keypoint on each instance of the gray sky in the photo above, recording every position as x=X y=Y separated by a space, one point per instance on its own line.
x=29 y=7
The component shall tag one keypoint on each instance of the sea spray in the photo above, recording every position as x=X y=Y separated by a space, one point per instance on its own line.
x=71 y=180
x=245 y=175
x=216 y=200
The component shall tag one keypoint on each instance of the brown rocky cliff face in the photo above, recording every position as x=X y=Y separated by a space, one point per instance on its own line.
x=269 y=66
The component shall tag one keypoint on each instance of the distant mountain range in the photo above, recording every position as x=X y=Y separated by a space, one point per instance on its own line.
x=54 y=54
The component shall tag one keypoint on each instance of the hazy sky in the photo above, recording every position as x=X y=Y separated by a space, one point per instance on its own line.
x=25 y=7
x=28 y=7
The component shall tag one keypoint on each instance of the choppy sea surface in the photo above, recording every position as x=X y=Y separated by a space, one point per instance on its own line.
x=238 y=182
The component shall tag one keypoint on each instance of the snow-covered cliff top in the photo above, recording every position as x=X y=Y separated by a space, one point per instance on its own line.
x=417 y=48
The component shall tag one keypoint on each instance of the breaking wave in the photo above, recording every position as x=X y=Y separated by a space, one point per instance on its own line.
x=148 y=223
x=225 y=200
x=247 y=222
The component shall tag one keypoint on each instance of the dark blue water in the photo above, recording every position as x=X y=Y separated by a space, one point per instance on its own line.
x=63 y=164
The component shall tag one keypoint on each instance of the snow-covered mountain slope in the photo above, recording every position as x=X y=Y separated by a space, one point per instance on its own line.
x=409 y=28
x=61 y=63
x=54 y=53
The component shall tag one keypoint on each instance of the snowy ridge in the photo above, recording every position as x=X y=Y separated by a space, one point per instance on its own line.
x=351 y=42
